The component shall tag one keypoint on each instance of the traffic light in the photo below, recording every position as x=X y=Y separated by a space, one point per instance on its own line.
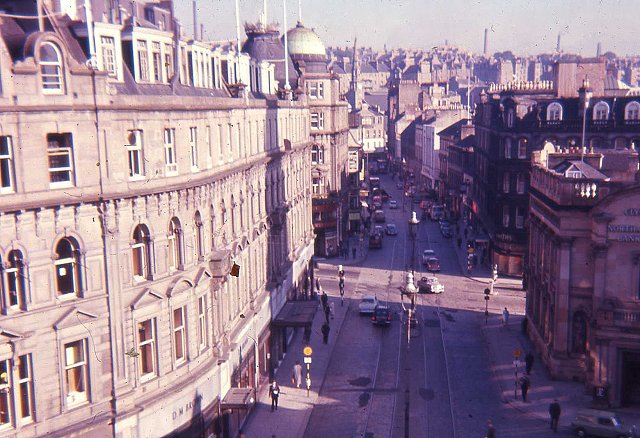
x=495 y=272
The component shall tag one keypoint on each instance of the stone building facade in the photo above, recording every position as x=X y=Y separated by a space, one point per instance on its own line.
x=583 y=301
x=132 y=183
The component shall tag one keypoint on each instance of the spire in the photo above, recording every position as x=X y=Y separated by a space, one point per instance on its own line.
x=300 y=11
x=287 y=86
x=238 y=27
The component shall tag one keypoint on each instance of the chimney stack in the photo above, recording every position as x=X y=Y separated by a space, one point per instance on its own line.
x=558 y=44
x=599 y=50
x=195 y=20
x=486 y=41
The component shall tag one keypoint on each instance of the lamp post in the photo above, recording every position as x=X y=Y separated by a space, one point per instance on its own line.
x=410 y=291
x=255 y=354
x=413 y=231
x=585 y=96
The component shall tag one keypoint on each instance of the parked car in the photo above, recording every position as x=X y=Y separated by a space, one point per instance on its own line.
x=433 y=264
x=593 y=422
x=378 y=216
x=437 y=212
x=392 y=230
x=427 y=254
x=368 y=305
x=430 y=285
x=393 y=204
x=379 y=229
x=375 y=240
x=381 y=315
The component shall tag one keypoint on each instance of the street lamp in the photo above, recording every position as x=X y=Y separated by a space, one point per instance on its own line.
x=585 y=95
x=413 y=231
x=410 y=291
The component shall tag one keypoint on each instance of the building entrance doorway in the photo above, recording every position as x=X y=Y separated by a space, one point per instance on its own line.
x=630 y=382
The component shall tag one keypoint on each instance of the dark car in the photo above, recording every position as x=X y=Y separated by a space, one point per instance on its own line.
x=381 y=315
x=433 y=264
x=446 y=233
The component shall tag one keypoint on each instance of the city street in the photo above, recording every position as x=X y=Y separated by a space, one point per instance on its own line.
x=442 y=379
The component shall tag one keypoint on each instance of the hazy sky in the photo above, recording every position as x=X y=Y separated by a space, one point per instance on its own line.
x=523 y=26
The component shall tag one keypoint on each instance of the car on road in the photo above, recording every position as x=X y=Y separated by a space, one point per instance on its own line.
x=399 y=185
x=378 y=216
x=392 y=230
x=393 y=204
x=427 y=254
x=430 y=285
x=379 y=229
x=433 y=264
x=593 y=422
x=381 y=315
x=368 y=305
x=446 y=233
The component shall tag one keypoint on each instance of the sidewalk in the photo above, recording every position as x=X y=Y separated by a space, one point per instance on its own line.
x=294 y=409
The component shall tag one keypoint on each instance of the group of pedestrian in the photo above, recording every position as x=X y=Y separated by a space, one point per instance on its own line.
x=324 y=299
x=554 y=414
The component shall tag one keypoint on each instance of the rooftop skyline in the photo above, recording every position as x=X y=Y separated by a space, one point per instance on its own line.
x=520 y=26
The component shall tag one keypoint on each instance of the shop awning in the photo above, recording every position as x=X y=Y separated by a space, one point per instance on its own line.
x=296 y=314
x=238 y=398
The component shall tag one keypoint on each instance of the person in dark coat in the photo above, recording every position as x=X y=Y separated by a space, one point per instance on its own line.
x=524 y=387
x=353 y=252
x=554 y=413
x=325 y=332
x=528 y=361
x=491 y=430
x=327 y=313
x=274 y=393
x=324 y=298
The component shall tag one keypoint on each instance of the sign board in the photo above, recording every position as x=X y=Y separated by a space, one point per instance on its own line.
x=517 y=353
x=352 y=163
x=307 y=351
x=307 y=359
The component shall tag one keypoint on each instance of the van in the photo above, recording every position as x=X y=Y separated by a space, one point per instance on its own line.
x=595 y=422
x=437 y=212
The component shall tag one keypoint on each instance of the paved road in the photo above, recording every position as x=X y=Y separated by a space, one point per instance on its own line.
x=443 y=378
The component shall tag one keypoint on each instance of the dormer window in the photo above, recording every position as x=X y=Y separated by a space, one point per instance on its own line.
x=632 y=111
x=51 y=68
x=554 y=112
x=601 y=111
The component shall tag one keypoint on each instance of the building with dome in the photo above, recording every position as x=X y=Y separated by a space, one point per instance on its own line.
x=329 y=128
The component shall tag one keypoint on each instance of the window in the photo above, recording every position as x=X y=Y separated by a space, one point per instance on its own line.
x=141 y=253
x=76 y=372
x=632 y=111
x=193 y=147
x=50 y=68
x=170 y=151
x=199 y=236
x=601 y=111
x=318 y=185
x=24 y=400
x=202 y=322
x=505 y=182
x=6 y=165
x=554 y=112
x=67 y=267
x=317 y=120
x=147 y=348
x=168 y=62
x=317 y=154
x=175 y=243
x=207 y=139
x=157 y=62
x=14 y=279
x=143 y=61
x=522 y=148
x=108 y=55
x=5 y=393
x=60 y=154
x=505 y=216
x=316 y=90
x=520 y=183
x=179 y=335
x=134 y=151
x=519 y=218
x=507 y=148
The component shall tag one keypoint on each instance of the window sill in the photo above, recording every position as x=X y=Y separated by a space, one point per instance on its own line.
x=147 y=378
x=7 y=191
x=67 y=297
x=195 y=169
x=61 y=185
x=137 y=178
x=171 y=173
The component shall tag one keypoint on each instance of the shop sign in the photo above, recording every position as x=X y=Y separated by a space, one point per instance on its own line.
x=632 y=212
x=186 y=407
x=626 y=233
x=352 y=165
x=504 y=236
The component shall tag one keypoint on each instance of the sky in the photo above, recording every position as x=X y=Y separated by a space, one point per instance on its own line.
x=526 y=27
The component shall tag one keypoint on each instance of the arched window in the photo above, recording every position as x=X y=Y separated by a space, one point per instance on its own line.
x=175 y=244
x=141 y=253
x=67 y=266
x=579 y=332
x=554 y=112
x=199 y=235
x=601 y=111
x=51 y=68
x=632 y=111
x=14 y=296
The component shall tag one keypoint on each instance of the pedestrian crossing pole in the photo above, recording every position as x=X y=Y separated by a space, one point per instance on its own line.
x=307 y=360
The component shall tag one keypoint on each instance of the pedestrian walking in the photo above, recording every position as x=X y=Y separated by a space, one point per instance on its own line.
x=327 y=313
x=318 y=284
x=491 y=430
x=528 y=361
x=353 y=252
x=325 y=332
x=324 y=298
x=274 y=393
x=505 y=316
x=525 y=383
x=296 y=375
x=554 y=413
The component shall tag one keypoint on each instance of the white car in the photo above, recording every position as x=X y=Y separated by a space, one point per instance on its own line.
x=427 y=254
x=368 y=305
